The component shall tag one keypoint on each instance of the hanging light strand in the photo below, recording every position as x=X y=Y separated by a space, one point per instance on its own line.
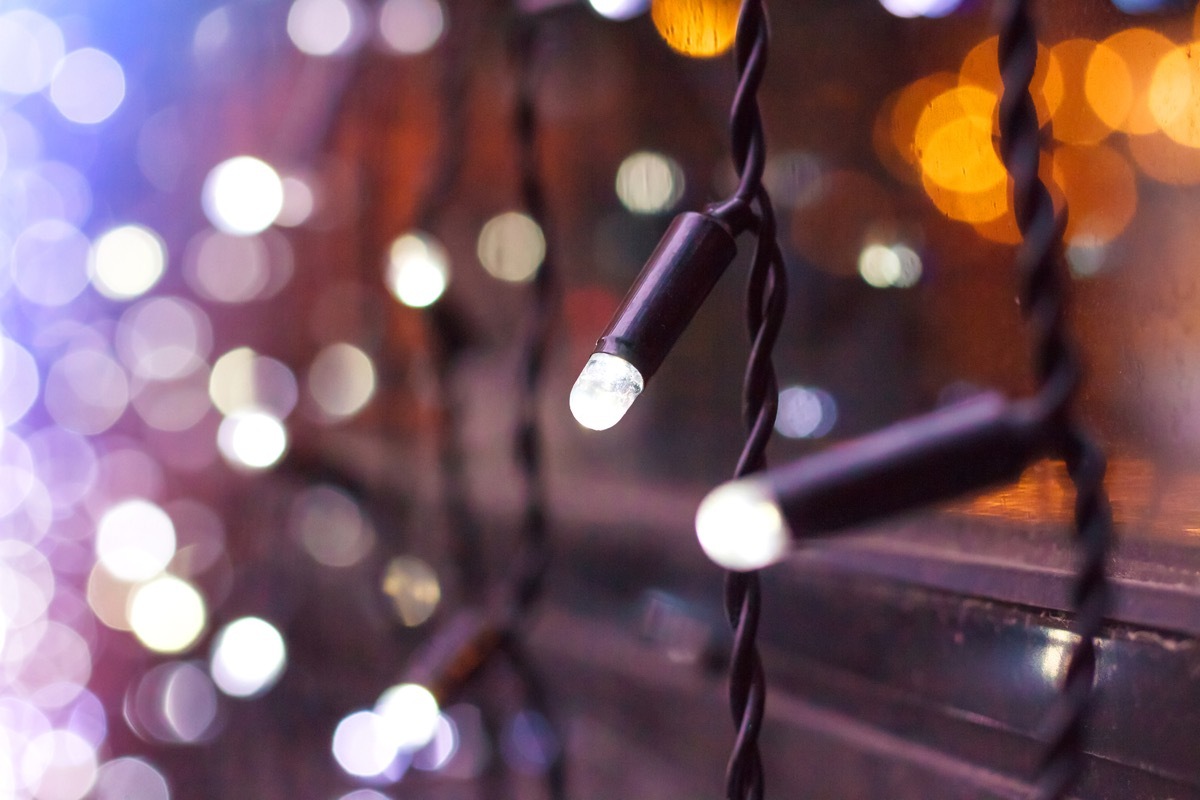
x=527 y=576
x=766 y=294
x=1040 y=259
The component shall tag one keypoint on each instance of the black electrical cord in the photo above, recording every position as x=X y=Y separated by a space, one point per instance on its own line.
x=766 y=296
x=1040 y=259
x=527 y=574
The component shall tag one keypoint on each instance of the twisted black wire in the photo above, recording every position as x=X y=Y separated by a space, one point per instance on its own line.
x=457 y=58
x=528 y=573
x=766 y=293
x=1043 y=270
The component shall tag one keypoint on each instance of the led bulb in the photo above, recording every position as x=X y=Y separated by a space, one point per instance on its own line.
x=740 y=526
x=604 y=391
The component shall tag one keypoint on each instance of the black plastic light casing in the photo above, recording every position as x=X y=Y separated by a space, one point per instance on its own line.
x=680 y=273
x=954 y=451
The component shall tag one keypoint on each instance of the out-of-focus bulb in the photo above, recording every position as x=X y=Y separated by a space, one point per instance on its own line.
x=604 y=391
x=417 y=270
x=410 y=714
x=740 y=526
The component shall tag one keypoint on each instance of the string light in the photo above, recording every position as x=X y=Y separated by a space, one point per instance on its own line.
x=418 y=270
x=677 y=278
x=986 y=440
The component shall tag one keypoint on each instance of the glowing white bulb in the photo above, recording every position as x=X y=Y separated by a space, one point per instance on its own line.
x=410 y=714
x=417 y=270
x=127 y=261
x=604 y=391
x=167 y=614
x=253 y=439
x=740 y=526
x=242 y=196
x=248 y=657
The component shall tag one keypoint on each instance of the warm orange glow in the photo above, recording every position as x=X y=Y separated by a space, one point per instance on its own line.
x=1100 y=190
x=885 y=146
x=974 y=207
x=960 y=156
x=1075 y=122
x=1175 y=95
x=910 y=103
x=981 y=67
x=1043 y=497
x=954 y=141
x=700 y=28
x=1002 y=230
x=1166 y=160
x=1119 y=75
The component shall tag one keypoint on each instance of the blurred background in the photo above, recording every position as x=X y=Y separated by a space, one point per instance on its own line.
x=267 y=278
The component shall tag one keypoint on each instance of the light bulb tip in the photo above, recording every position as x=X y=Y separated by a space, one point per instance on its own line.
x=604 y=391
x=740 y=526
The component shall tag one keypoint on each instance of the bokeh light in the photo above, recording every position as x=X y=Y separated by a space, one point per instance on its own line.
x=243 y=380
x=363 y=744
x=920 y=8
x=954 y=138
x=31 y=46
x=173 y=703
x=88 y=86
x=163 y=338
x=323 y=27
x=1175 y=95
x=805 y=413
x=299 y=202
x=130 y=779
x=173 y=405
x=49 y=261
x=1120 y=73
x=212 y=33
x=108 y=597
x=331 y=527
x=59 y=765
x=167 y=614
x=411 y=26
x=441 y=749
x=418 y=269
x=86 y=391
x=889 y=266
x=16 y=472
x=1074 y=121
x=242 y=195
x=698 y=28
x=227 y=268
x=511 y=247
x=127 y=261
x=248 y=657
x=619 y=9
x=19 y=381
x=252 y=439
x=341 y=380
x=135 y=540
x=413 y=588
x=410 y=715
x=649 y=183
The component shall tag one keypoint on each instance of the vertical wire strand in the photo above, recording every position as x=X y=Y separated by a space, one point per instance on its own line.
x=528 y=575
x=465 y=544
x=1040 y=259
x=766 y=292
